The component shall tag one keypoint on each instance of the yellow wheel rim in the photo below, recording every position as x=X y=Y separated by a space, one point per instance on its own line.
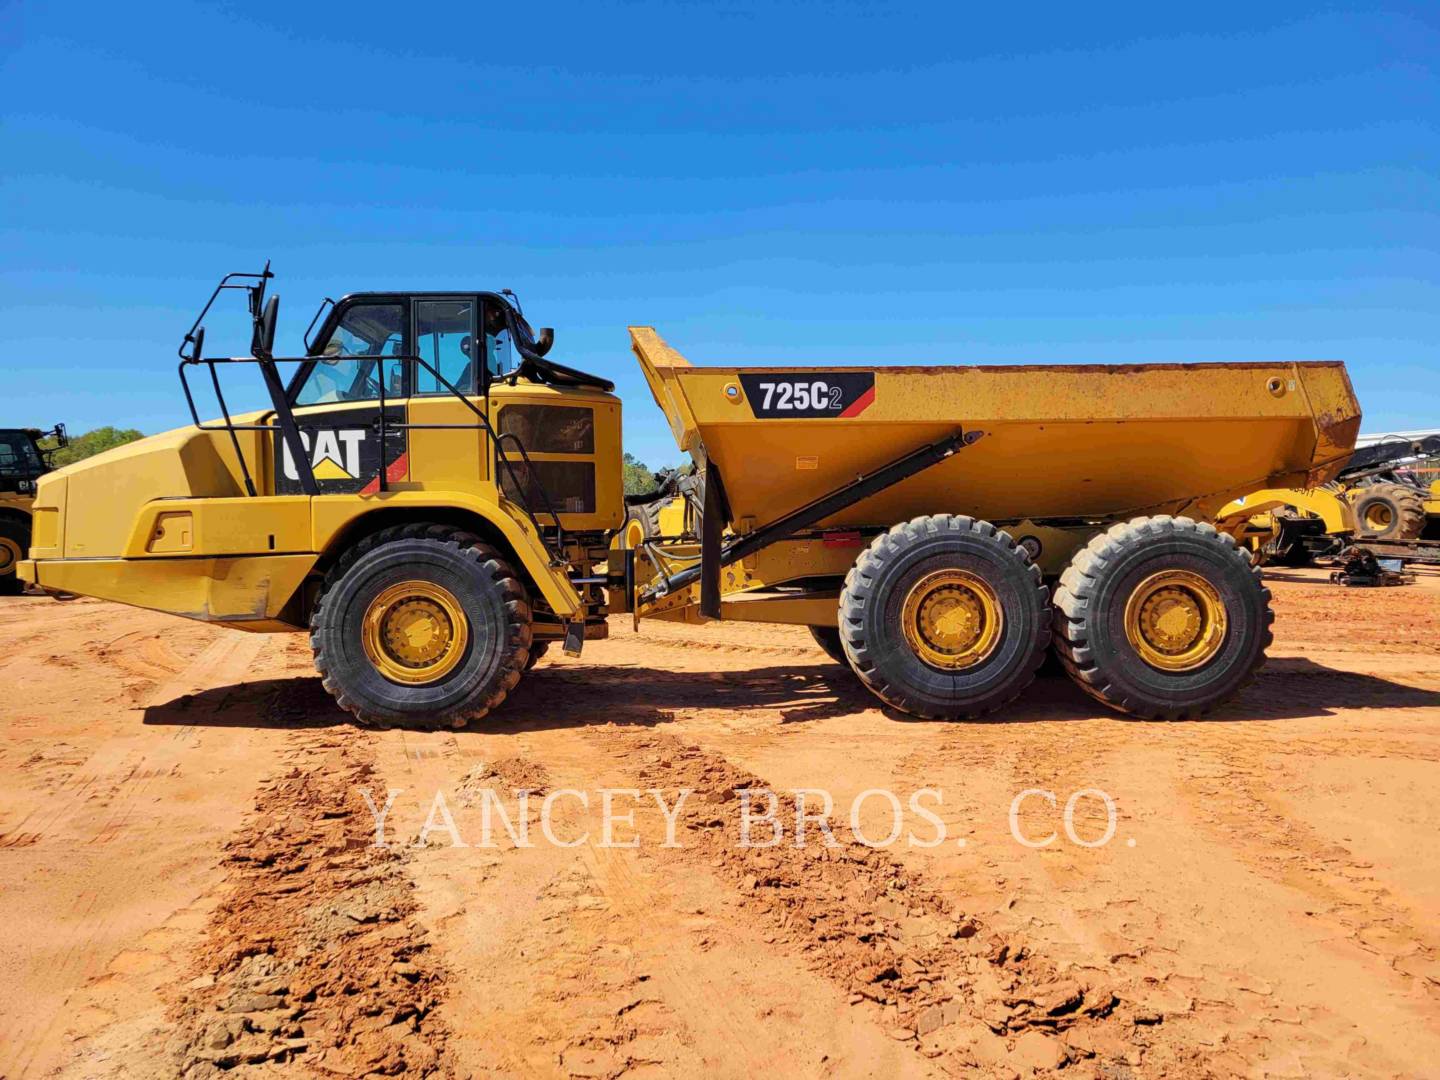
x=10 y=554
x=634 y=535
x=1378 y=516
x=415 y=633
x=952 y=619
x=1175 y=620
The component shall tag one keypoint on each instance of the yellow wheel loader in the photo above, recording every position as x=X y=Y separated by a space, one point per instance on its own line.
x=433 y=499
x=1373 y=501
x=22 y=462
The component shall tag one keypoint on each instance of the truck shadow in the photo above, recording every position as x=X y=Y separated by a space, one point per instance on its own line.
x=562 y=695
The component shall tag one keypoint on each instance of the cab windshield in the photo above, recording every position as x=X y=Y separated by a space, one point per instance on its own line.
x=368 y=330
x=18 y=456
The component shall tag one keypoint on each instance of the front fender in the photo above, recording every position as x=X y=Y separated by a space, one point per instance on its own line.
x=337 y=514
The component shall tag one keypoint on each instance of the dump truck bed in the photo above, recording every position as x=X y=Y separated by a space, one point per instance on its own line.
x=1085 y=441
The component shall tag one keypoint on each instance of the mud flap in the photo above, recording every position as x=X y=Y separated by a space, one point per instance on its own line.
x=712 y=533
x=574 y=637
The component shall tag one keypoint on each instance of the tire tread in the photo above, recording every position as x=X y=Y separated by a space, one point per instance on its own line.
x=492 y=563
x=1080 y=582
x=859 y=591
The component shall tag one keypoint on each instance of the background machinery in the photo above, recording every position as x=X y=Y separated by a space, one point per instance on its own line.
x=1380 y=500
x=435 y=501
x=22 y=462
x=1391 y=484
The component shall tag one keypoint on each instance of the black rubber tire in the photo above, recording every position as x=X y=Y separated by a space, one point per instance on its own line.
x=19 y=533
x=647 y=516
x=874 y=594
x=537 y=650
x=1406 y=506
x=828 y=638
x=494 y=601
x=1090 y=603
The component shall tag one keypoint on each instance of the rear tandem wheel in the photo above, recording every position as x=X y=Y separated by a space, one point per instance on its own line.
x=945 y=617
x=1162 y=618
x=828 y=638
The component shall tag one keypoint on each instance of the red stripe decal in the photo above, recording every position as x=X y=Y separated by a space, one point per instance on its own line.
x=399 y=469
x=860 y=404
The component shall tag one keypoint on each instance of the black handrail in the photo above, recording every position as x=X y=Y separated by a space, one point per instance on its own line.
x=498 y=440
x=286 y=425
x=324 y=304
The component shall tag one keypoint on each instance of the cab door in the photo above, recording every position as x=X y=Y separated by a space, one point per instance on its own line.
x=337 y=407
x=446 y=336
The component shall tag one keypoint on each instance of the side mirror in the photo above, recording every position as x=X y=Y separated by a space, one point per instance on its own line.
x=62 y=440
x=264 y=343
x=198 y=339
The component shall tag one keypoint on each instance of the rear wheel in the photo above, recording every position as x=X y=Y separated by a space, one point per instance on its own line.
x=945 y=617
x=1162 y=618
x=1389 y=512
x=828 y=638
x=14 y=543
x=421 y=626
x=537 y=650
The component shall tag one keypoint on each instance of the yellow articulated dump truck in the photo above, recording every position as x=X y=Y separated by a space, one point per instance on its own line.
x=436 y=501
x=22 y=462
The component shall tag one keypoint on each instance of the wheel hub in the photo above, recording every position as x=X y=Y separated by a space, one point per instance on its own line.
x=1175 y=620
x=10 y=554
x=415 y=632
x=1378 y=516
x=951 y=619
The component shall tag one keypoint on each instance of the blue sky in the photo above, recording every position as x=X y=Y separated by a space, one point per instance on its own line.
x=804 y=183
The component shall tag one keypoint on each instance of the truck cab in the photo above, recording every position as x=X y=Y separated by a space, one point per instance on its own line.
x=464 y=360
x=22 y=463
x=434 y=411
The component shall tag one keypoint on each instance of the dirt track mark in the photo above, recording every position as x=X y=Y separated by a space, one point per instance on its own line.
x=616 y=964
x=225 y=661
x=99 y=800
x=936 y=975
x=1288 y=850
x=313 y=954
x=749 y=638
x=143 y=653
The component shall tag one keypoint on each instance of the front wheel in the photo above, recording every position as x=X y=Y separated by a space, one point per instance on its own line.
x=421 y=626
x=945 y=617
x=1162 y=618
x=14 y=543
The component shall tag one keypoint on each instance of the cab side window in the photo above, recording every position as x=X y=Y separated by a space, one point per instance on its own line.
x=364 y=330
x=445 y=340
x=497 y=340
